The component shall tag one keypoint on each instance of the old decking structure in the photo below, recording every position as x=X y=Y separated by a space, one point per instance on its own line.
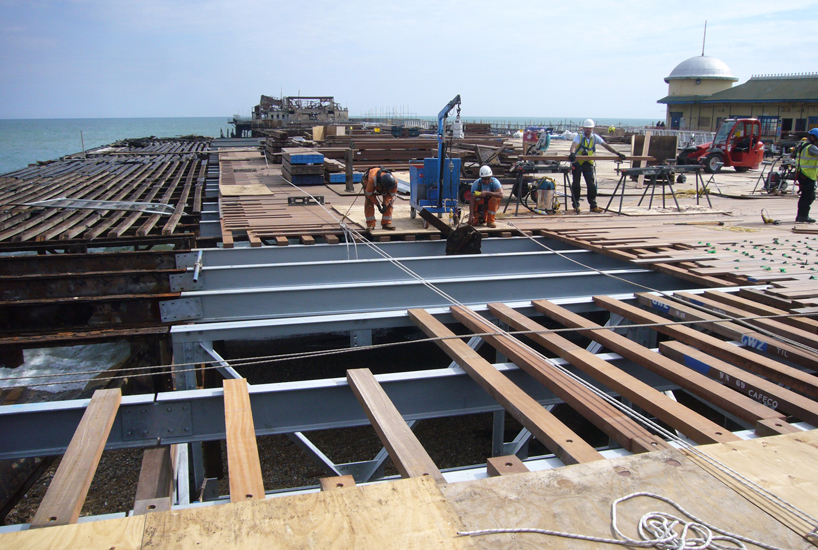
x=294 y=270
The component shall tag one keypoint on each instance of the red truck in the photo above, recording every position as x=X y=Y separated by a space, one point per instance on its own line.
x=737 y=144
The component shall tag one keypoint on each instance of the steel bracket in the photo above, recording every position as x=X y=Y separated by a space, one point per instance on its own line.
x=181 y=309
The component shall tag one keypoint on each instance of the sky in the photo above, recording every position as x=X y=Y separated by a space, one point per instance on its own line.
x=523 y=58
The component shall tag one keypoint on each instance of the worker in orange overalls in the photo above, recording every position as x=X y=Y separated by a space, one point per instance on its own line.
x=486 y=194
x=379 y=182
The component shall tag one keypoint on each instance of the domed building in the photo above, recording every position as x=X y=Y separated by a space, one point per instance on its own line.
x=701 y=94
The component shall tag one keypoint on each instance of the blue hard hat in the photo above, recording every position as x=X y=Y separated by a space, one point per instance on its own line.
x=814 y=132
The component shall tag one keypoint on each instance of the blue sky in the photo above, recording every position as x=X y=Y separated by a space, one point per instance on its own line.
x=532 y=58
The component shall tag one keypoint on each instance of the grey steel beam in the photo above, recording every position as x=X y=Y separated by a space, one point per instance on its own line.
x=367 y=271
x=215 y=257
x=45 y=429
x=295 y=301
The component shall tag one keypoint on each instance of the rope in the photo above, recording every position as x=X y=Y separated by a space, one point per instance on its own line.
x=657 y=529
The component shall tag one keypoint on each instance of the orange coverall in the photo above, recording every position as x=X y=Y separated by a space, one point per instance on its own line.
x=372 y=188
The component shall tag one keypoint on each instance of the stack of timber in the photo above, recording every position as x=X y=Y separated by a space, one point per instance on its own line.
x=302 y=166
x=275 y=142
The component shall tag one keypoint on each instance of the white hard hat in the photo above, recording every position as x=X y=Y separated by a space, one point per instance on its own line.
x=589 y=123
x=485 y=172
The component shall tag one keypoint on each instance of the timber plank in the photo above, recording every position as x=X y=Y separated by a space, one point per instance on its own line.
x=557 y=437
x=244 y=466
x=63 y=500
x=336 y=482
x=772 y=325
x=769 y=393
x=734 y=331
x=690 y=423
x=758 y=364
x=505 y=465
x=691 y=380
x=406 y=452
x=154 y=490
x=615 y=423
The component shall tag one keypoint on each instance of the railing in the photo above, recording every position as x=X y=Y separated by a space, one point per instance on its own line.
x=686 y=137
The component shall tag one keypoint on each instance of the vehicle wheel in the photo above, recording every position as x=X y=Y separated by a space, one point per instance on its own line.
x=713 y=163
x=741 y=168
x=413 y=213
x=464 y=194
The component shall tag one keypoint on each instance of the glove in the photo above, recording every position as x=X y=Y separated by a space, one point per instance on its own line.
x=622 y=156
x=572 y=157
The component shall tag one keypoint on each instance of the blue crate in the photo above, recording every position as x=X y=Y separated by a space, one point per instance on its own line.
x=315 y=179
x=306 y=158
x=341 y=177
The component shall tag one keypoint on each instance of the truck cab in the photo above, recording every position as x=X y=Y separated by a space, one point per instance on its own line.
x=737 y=144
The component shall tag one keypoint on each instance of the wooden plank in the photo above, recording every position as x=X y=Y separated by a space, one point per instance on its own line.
x=762 y=297
x=733 y=331
x=557 y=437
x=336 y=482
x=768 y=393
x=690 y=423
x=758 y=364
x=244 y=466
x=154 y=490
x=505 y=465
x=331 y=239
x=768 y=427
x=63 y=500
x=406 y=452
x=754 y=307
x=612 y=421
x=690 y=380
x=397 y=515
x=772 y=325
x=282 y=241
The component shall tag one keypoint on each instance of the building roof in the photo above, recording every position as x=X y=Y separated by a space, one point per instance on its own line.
x=703 y=67
x=760 y=89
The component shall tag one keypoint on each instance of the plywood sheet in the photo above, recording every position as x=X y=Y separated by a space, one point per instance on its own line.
x=578 y=498
x=784 y=465
x=237 y=190
x=122 y=534
x=405 y=514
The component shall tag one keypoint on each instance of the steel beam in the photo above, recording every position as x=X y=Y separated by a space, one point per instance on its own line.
x=215 y=257
x=329 y=299
x=45 y=429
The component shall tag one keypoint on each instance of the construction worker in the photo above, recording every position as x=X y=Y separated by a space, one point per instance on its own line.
x=378 y=182
x=807 y=171
x=584 y=145
x=486 y=194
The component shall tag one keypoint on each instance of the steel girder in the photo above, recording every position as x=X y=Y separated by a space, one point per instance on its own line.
x=45 y=429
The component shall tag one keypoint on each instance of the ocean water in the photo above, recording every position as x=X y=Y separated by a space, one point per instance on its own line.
x=25 y=141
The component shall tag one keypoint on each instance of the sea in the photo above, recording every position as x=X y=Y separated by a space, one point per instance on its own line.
x=26 y=141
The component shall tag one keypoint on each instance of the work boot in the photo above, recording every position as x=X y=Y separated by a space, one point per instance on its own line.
x=491 y=225
x=804 y=220
x=388 y=227
x=597 y=209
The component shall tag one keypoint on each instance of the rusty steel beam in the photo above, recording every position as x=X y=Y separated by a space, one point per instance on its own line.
x=81 y=285
x=44 y=264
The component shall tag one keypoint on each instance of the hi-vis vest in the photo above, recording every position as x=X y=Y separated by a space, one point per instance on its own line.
x=808 y=163
x=587 y=147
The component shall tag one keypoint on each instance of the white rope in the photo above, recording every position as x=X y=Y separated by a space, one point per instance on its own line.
x=658 y=530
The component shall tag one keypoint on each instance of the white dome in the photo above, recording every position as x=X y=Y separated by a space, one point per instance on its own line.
x=701 y=67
